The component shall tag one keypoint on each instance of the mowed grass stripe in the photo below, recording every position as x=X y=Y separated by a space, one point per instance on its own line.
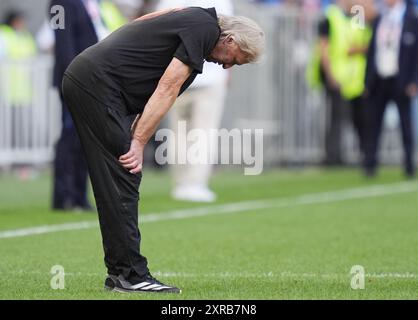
x=307 y=199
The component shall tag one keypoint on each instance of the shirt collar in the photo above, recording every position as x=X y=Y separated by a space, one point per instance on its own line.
x=212 y=12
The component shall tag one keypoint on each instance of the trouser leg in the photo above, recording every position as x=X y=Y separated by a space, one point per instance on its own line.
x=61 y=198
x=405 y=115
x=334 y=127
x=375 y=113
x=70 y=167
x=80 y=174
x=105 y=138
x=75 y=171
x=358 y=106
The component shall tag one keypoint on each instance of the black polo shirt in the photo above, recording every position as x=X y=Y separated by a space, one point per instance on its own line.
x=123 y=70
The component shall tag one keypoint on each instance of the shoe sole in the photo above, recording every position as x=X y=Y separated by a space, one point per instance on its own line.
x=119 y=290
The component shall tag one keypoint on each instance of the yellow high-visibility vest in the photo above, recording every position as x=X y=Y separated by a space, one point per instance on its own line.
x=339 y=42
x=19 y=48
x=337 y=45
x=349 y=71
x=111 y=15
x=354 y=83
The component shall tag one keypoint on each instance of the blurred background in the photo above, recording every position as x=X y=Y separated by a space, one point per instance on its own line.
x=275 y=95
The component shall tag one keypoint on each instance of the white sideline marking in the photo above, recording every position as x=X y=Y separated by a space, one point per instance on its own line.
x=284 y=274
x=47 y=229
x=217 y=275
x=313 y=198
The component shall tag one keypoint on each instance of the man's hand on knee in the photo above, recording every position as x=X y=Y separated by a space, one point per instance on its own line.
x=132 y=160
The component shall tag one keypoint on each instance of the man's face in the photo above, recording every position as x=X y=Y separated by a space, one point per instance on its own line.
x=227 y=53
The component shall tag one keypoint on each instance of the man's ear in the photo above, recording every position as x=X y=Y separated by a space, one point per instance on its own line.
x=230 y=39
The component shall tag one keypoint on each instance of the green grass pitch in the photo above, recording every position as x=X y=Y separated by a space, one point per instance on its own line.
x=288 y=235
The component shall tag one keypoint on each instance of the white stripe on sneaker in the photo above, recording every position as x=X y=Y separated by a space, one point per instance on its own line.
x=151 y=287
x=161 y=288
x=140 y=285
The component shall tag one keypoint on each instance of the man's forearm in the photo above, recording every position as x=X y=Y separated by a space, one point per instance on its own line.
x=161 y=100
x=156 y=108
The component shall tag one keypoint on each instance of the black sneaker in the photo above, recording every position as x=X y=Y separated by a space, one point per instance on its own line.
x=147 y=284
x=110 y=282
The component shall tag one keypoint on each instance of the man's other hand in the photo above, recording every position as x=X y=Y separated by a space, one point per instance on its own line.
x=132 y=160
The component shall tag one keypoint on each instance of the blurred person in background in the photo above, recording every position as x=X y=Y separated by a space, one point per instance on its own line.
x=339 y=64
x=200 y=107
x=415 y=118
x=45 y=38
x=392 y=75
x=333 y=32
x=352 y=88
x=2 y=46
x=415 y=100
x=18 y=47
x=86 y=23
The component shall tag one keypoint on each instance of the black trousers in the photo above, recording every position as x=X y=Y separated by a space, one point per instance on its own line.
x=385 y=92
x=358 y=117
x=105 y=136
x=70 y=167
x=335 y=120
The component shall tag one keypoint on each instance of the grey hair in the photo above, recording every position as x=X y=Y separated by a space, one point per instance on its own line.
x=246 y=33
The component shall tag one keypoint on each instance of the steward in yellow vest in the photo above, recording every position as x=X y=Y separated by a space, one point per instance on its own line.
x=346 y=57
x=19 y=48
x=339 y=63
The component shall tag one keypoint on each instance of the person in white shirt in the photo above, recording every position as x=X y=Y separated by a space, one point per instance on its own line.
x=392 y=75
x=388 y=40
x=201 y=107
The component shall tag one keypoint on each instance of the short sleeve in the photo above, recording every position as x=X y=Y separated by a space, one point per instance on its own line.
x=196 y=43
